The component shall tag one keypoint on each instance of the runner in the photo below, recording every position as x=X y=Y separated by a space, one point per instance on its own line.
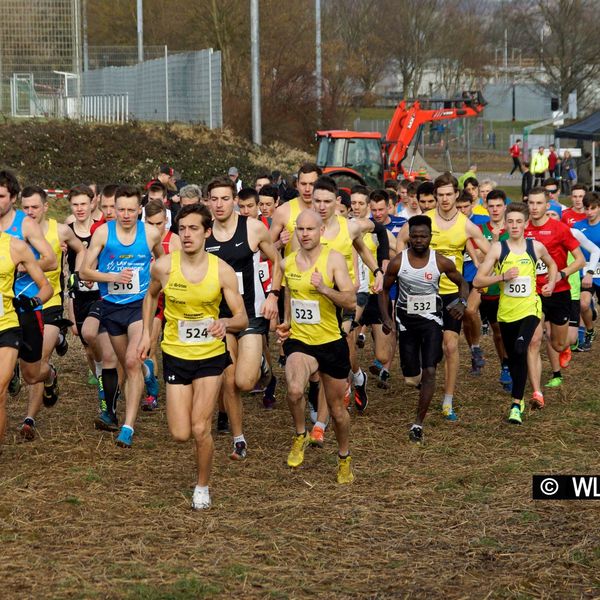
x=519 y=309
x=118 y=258
x=577 y=211
x=556 y=308
x=17 y=224
x=194 y=349
x=14 y=253
x=417 y=271
x=239 y=241
x=317 y=281
x=426 y=196
x=450 y=231
x=34 y=203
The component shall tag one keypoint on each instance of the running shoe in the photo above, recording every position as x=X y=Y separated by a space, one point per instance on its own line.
x=265 y=374
x=384 y=379
x=514 y=416
x=475 y=370
x=507 y=387
x=347 y=396
x=27 y=429
x=565 y=357
x=554 y=382
x=150 y=380
x=375 y=368
x=92 y=380
x=200 y=499
x=281 y=360
x=222 y=422
x=344 y=472
x=317 y=436
x=590 y=336
x=522 y=406
x=477 y=358
x=360 y=340
x=269 y=397
x=485 y=328
x=51 y=391
x=505 y=378
x=537 y=400
x=585 y=346
x=296 y=455
x=62 y=345
x=449 y=414
x=416 y=434
x=125 y=437
x=240 y=450
x=14 y=387
x=361 y=400
x=106 y=421
x=150 y=403
x=313 y=402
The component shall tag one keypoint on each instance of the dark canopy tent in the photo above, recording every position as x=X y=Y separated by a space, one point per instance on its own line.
x=586 y=129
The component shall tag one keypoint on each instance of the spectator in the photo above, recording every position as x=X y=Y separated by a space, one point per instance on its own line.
x=526 y=181
x=234 y=175
x=569 y=175
x=552 y=161
x=539 y=166
x=515 y=153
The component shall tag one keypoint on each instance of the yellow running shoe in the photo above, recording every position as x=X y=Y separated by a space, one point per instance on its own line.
x=345 y=474
x=296 y=455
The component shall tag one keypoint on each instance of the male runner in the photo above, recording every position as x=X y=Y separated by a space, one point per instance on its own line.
x=17 y=224
x=519 y=311
x=450 y=231
x=556 y=308
x=34 y=203
x=317 y=281
x=426 y=197
x=417 y=271
x=14 y=254
x=577 y=211
x=194 y=350
x=239 y=241
x=118 y=258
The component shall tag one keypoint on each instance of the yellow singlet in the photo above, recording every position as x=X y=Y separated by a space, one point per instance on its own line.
x=342 y=243
x=8 y=316
x=190 y=308
x=314 y=317
x=451 y=243
x=55 y=277
x=518 y=297
x=295 y=210
x=370 y=241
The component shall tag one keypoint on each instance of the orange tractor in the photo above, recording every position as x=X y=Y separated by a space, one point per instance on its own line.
x=353 y=157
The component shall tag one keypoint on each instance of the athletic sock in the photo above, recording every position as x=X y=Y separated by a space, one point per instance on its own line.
x=127 y=427
x=239 y=438
x=321 y=425
x=145 y=370
x=201 y=488
x=415 y=426
x=358 y=377
x=556 y=374
x=447 y=402
x=110 y=382
x=344 y=455
x=475 y=347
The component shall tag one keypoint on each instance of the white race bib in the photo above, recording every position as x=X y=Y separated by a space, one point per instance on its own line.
x=263 y=272
x=520 y=287
x=306 y=311
x=195 y=332
x=84 y=288
x=421 y=305
x=588 y=267
x=119 y=289
x=541 y=268
x=240 y=278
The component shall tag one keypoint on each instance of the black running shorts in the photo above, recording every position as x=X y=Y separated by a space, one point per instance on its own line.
x=32 y=330
x=420 y=347
x=450 y=323
x=178 y=371
x=333 y=358
x=557 y=307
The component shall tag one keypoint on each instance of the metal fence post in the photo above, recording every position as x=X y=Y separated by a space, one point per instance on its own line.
x=210 y=106
x=166 y=84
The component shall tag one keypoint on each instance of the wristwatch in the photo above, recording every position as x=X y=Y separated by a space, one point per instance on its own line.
x=590 y=272
x=563 y=275
x=377 y=270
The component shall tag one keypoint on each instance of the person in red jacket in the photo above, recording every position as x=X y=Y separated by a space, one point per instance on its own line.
x=552 y=161
x=515 y=153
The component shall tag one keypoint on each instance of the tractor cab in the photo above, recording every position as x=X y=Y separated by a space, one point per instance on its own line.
x=351 y=157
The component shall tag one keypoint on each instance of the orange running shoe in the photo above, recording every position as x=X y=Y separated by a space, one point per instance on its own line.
x=565 y=357
x=317 y=436
x=537 y=400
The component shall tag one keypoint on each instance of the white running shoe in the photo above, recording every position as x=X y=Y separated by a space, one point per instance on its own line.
x=200 y=499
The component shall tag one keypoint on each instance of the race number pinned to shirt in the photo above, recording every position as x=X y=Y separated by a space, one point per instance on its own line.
x=263 y=272
x=520 y=287
x=306 y=312
x=132 y=287
x=421 y=305
x=240 y=278
x=596 y=274
x=84 y=288
x=541 y=268
x=195 y=332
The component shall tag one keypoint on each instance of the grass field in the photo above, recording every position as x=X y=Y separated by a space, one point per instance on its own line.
x=454 y=518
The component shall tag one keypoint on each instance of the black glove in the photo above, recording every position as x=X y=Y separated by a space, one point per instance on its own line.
x=73 y=284
x=25 y=304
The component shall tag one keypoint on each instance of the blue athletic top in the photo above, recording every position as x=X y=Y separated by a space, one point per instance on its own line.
x=24 y=285
x=116 y=256
x=592 y=232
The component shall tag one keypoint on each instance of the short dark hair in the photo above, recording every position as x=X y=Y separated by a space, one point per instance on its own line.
x=9 y=180
x=412 y=188
x=325 y=183
x=218 y=182
x=550 y=181
x=591 y=199
x=391 y=183
x=248 y=193
x=158 y=186
x=264 y=175
x=31 y=190
x=404 y=184
x=154 y=207
x=579 y=186
x=497 y=195
x=470 y=181
x=536 y=190
x=196 y=209
x=270 y=190
x=425 y=189
x=109 y=190
x=81 y=190
x=419 y=220
x=359 y=189
x=519 y=207
x=128 y=191
x=464 y=196
x=310 y=167
x=393 y=196
x=345 y=199
x=379 y=196
x=445 y=179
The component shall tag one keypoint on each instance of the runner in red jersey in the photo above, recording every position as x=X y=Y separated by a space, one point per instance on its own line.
x=577 y=211
x=559 y=241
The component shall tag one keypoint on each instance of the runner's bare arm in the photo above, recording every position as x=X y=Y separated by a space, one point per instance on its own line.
x=402 y=238
x=446 y=266
x=67 y=235
x=269 y=308
x=542 y=253
x=174 y=243
x=279 y=234
x=371 y=263
x=484 y=277
x=344 y=292
x=88 y=270
x=391 y=274
x=158 y=270
x=21 y=254
x=33 y=234
x=154 y=241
